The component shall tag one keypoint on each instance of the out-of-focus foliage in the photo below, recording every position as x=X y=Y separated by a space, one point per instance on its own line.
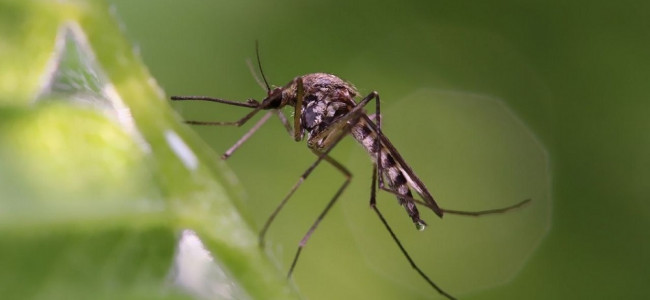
x=104 y=194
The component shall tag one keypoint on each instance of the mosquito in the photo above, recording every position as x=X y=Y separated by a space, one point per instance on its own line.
x=325 y=109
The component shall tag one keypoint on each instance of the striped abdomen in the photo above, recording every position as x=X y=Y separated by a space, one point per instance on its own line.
x=393 y=173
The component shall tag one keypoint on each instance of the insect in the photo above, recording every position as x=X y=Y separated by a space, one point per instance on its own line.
x=324 y=109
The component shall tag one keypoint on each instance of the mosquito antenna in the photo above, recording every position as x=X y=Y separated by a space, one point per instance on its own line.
x=259 y=65
x=251 y=69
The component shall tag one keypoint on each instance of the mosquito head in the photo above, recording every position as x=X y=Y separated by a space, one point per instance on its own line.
x=274 y=99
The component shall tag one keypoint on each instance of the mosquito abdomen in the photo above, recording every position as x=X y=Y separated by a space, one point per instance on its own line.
x=392 y=173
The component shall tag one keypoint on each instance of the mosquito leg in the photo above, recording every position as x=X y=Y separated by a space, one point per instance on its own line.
x=486 y=212
x=297 y=115
x=373 y=187
x=373 y=205
x=237 y=123
x=380 y=169
x=377 y=114
x=408 y=257
x=303 y=242
x=302 y=178
x=250 y=103
x=247 y=135
x=372 y=117
x=257 y=126
x=284 y=121
x=479 y=213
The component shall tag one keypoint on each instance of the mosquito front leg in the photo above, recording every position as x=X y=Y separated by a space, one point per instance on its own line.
x=247 y=135
x=250 y=103
x=254 y=129
x=300 y=95
x=348 y=177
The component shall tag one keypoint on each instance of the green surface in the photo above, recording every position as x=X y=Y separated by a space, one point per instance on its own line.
x=104 y=194
x=572 y=78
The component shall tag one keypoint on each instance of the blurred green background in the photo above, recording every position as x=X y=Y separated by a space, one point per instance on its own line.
x=573 y=72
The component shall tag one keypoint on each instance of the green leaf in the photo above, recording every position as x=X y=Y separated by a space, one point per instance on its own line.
x=103 y=192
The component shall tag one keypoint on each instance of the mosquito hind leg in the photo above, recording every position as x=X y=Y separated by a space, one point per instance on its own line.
x=468 y=213
x=404 y=199
x=479 y=213
x=373 y=205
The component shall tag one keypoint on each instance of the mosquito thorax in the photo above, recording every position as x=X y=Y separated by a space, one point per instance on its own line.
x=320 y=86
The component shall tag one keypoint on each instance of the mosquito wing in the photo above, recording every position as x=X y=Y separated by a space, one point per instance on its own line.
x=411 y=178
